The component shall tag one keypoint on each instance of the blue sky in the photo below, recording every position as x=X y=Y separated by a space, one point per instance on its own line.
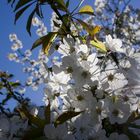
x=7 y=26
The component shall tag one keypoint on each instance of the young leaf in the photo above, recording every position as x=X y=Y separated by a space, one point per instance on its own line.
x=66 y=116
x=47 y=41
x=98 y=44
x=90 y=29
x=87 y=9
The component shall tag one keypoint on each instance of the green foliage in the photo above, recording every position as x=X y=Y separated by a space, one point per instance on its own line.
x=29 y=22
x=87 y=9
x=21 y=3
x=45 y=41
x=34 y=133
x=20 y=12
x=47 y=114
x=9 y=90
x=66 y=116
x=32 y=119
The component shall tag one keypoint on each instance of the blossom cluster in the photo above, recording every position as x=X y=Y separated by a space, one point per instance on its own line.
x=35 y=68
x=120 y=19
x=93 y=83
x=102 y=88
x=42 y=30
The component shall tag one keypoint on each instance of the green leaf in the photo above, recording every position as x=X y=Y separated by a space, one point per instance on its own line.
x=134 y=126
x=56 y=24
x=47 y=113
x=21 y=3
x=131 y=135
x=48 y=41
x=85 y=25
x=29 y=22
x=45 y=41
x=41 y=138
x=39 y=11
x=60 y=4
x=9 y=1
x=33 y=134
x=14 y=84
x=8 y=97
x=66 y=116
x=67 y=3
x=1 y=85
x=32 y=119
x=92 y=30
x=12 y=2
x=87 y=9
x=98 y=44
x=20 y=12
x=37 y=43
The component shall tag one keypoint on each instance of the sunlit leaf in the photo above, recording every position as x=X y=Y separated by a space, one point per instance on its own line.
x=98 y=44
x=45 y=41
x=90 y=29
x=87 y=9
x=95 y=30
x=66 y=116
x=48 y=41
x=14 y=84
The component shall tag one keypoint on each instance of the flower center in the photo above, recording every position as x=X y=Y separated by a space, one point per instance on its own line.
x=110 y=77
x=115 y=112
x=80 y=98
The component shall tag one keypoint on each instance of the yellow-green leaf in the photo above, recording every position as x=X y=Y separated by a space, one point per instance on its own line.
x=95 y=30
x=45 y=41
x=92 y=30
x=48 y=41
x=87 y=9
x=98 y=44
